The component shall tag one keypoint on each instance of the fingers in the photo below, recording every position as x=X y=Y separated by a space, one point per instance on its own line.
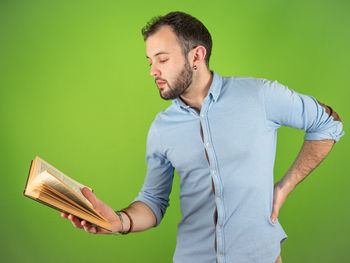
x=75 y=221
x=275 y=211
x=65 y=215
x=93 y=229
x=90 y=228
x=278 y=199
x=273 y=217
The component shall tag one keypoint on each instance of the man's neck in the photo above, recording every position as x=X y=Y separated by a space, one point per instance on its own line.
x=196 y=93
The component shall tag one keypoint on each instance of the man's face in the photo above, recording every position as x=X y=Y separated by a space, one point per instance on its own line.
x=170 y=69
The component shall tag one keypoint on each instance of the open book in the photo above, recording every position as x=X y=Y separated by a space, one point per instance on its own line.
x=51 y=187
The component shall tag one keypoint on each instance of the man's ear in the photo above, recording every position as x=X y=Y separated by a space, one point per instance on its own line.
x=198 y=55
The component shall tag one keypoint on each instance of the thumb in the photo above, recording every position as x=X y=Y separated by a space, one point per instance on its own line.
x=89 y=196
x=274 y=214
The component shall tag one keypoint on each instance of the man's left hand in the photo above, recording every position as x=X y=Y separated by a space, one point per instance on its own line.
x=279 y=196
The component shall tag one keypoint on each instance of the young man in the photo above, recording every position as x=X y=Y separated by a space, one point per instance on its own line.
x=220 y=136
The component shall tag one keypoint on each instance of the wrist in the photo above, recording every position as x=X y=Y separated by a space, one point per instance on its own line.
x=126 y=223
x=288 y=183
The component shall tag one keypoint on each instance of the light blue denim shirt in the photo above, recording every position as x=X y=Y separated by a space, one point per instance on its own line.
x=239 y=120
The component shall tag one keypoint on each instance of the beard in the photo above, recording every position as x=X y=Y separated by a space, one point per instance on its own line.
x=182 y=82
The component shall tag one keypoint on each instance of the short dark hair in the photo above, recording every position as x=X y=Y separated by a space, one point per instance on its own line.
x=188 y=29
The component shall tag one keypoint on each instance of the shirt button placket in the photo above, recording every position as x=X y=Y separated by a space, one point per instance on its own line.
x=218 y=231
x=214 y=174
x=218 y=228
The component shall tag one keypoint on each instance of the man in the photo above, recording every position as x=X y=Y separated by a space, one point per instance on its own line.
x=220 y=136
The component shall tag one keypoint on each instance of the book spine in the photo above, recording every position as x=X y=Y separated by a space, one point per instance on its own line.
x=30 y=168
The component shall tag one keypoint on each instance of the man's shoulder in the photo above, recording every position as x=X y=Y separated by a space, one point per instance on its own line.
x=234 y=80
x=247 y=85
x=163 y=116
x=242 y=85
x=258 y=81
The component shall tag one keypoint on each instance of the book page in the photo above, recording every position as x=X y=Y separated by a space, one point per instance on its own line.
x=66 y=207
x=74 y=185
x=53 y=182
x=44 y=188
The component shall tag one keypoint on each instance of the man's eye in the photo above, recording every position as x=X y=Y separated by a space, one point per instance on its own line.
x=164 y=60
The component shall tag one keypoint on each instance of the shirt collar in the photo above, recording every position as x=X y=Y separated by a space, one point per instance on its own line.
x=214 y=91
x=216 y=85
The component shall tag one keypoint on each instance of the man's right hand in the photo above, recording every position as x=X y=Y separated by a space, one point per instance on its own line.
x=105 y=210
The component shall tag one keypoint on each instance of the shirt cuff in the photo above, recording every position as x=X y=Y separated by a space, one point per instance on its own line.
x=156 y=211
x=330 y=135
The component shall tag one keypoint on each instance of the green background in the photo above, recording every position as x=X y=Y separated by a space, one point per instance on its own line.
x=75 y=90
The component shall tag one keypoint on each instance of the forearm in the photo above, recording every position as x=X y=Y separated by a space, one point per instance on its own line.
x=310 y=156
x=142 y=216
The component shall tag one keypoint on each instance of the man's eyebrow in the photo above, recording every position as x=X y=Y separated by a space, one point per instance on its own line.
x=159 y=53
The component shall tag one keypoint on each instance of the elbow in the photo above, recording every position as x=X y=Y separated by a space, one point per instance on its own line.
x=330 y=111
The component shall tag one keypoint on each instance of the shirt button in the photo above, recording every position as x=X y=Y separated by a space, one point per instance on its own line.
x=214 y=171
x=208 y=144
x=203 y=116
x=218 y=198
x=219 y=227
x=220 y=255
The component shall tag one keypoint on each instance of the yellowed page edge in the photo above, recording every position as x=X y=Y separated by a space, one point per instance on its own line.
x=68 y=208
x=63 y=197
x=74 y=193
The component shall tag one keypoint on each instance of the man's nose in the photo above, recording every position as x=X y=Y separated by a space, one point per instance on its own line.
x=154 y=71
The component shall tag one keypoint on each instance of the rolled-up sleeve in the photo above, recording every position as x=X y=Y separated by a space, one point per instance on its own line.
x=285 y=107
x=159 y=177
